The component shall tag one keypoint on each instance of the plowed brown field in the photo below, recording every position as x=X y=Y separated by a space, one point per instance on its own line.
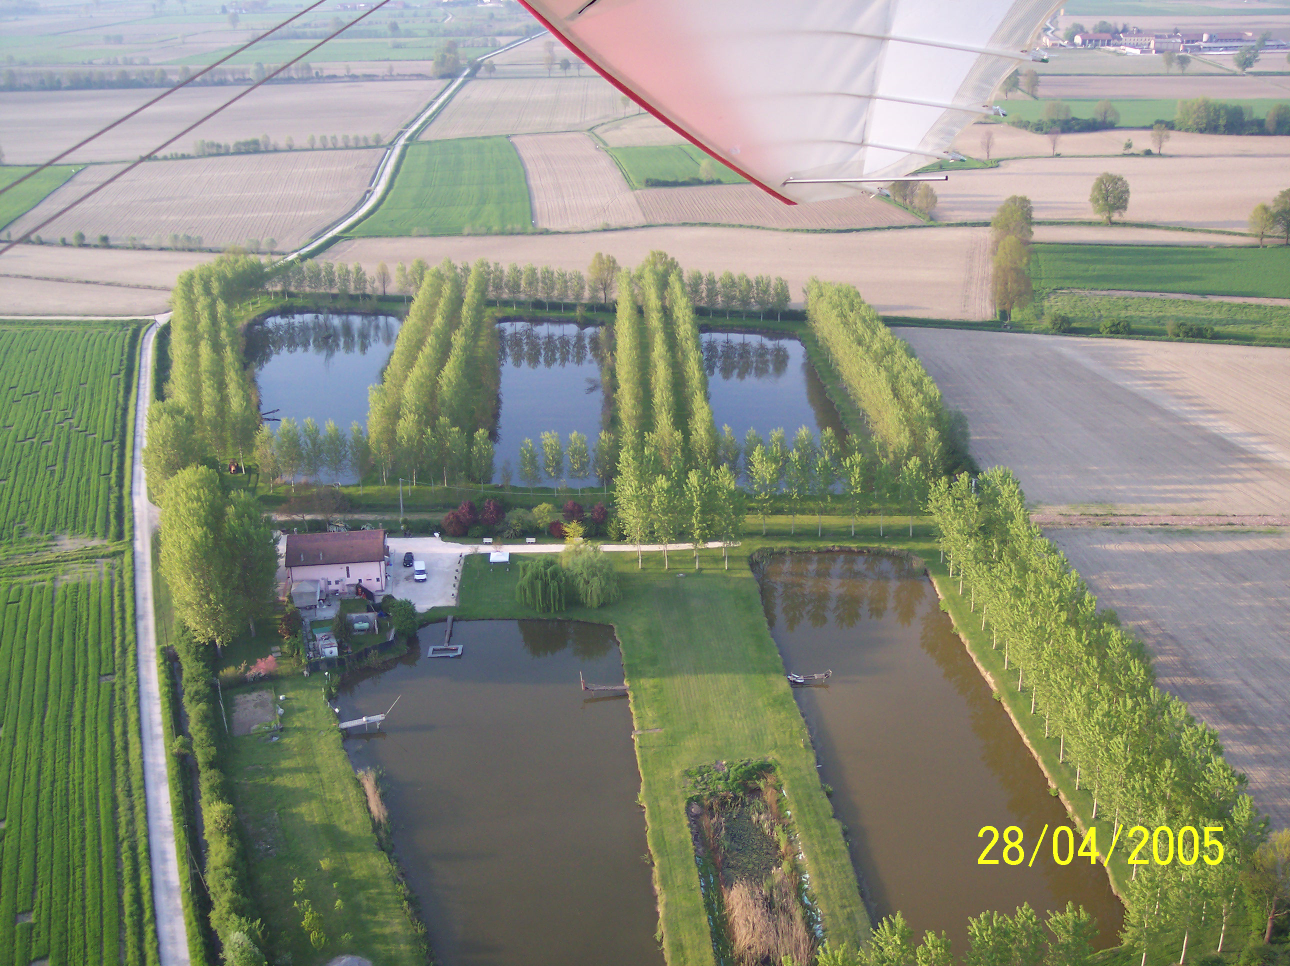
x=1137 y=426
x=1013 y=142
x=360 y=108
x=530 y=106
x=574 y=183
x=1213 y=608
x=746 y=204
x=286 y=196
x=638 y=130
x=1231 y=87
x=53 y=280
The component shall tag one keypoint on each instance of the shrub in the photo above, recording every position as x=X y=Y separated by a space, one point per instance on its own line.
x=542 y=585
x=468 y=512
x=454 y=524
x=290 y=623
x=599 y=517
x=1180 y=329
x=556 y=529
x=1115 y=326
x=477 y=531
x=1058 y=323
x=573 y=510
x=517 y=523
x=543 y=514
x=403 y=615
x=492 y=513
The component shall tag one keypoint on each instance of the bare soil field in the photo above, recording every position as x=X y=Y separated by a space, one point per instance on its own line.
x=574 y=183
x=1230 y=87
x=286 y=196
x=1185 y=191
x=913 y=272
x=746 y=204
x=22 y=296
x=1212 y=608
x=1072 y=60
x=1013 y=142
x=532 y=106
x=638 y=130
x=1132 y=235
x=1120 y=424
x=53 y=280
x=341 y=108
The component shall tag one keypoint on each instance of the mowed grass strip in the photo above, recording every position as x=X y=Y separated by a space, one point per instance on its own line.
x=1134 y=112
x=704 y=670
x=668 y=162
x=16 y=203
x=466 y=186
x=1250 y=272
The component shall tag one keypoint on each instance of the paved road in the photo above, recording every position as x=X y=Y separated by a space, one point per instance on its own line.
x=166 y=897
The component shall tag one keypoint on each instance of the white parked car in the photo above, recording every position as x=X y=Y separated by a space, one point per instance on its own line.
x=419 y=571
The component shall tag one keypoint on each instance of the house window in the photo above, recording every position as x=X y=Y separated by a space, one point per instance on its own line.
x=346 y=571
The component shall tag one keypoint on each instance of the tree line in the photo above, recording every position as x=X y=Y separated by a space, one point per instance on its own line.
x=1272 y=218
x=1133 y=747
x=433 y=409
x=901 y=402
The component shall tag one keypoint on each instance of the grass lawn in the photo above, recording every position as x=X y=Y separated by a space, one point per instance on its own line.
x=1234 y=321
x=1134 y=113
x=465 y=186
x=20 y=200
x=305 y=817
x=1259 y=272
x=668 y=162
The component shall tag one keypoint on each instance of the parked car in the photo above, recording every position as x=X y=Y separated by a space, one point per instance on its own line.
x=407 y=559
x=419 y=571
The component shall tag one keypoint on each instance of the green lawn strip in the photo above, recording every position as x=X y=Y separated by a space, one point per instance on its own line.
x=462 y=186
x=1134 y=112
x=1079 y=804
x=16 y=203
x=702 y=667
x=668 y=162
x=1233 y=321
x=1254 y=272
x=305 y=816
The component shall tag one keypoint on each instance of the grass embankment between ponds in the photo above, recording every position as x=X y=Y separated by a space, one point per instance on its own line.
x=16 y=203
x=707 y=684
x=464 y=186
x=1187 y=270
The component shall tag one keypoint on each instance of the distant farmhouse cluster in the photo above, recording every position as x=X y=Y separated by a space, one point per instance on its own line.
x=1135 y=41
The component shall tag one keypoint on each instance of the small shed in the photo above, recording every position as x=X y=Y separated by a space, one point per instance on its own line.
x=306 y=593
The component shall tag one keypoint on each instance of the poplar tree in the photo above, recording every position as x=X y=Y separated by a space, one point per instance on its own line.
x=530 y=468
x=553 y=457
x=579 y=456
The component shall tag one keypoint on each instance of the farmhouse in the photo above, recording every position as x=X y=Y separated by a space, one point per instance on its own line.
x=338 y=561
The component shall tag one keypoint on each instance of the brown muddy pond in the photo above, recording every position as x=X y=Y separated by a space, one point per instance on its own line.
x=919 y=754
x=512 y=795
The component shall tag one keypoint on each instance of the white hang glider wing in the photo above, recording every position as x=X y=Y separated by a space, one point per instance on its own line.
x=806 y=98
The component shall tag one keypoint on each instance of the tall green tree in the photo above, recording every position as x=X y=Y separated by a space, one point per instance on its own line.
x=252 y=554
x=360 y=454
x=578 y=456
x=530 y=468
x=291 y=452
x=334 y=450
x=1110 y=196
x=667 y=502
x=195 y=560
x=553 y=457
x=173 y=444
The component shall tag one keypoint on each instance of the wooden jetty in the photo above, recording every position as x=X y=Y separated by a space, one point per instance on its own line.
x=610 y=688
x=446 y=649
x=801 y=680
x=368 y=719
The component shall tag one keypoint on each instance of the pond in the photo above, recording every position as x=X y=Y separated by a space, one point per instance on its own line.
x=919 y=754
x=550 y=382
x=320 y=365
x=765 y=383
x=512 y=795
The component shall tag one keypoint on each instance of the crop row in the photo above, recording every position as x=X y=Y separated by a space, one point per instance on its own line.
x=65 y=393
x=70 y=855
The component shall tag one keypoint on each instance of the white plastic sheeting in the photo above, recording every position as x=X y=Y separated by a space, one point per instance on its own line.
x=791 y=91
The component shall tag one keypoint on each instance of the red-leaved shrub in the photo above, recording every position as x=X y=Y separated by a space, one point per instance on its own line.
x=556 y=529
x=454 y=524
x=468 y=513
x=573 y=510
x=492 y=514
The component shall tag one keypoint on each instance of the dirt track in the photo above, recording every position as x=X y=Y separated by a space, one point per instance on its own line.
x=280 y=111
x=1134 y=426
x=1213 y=608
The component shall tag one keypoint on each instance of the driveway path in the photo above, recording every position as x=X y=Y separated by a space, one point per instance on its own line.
x=172 y=937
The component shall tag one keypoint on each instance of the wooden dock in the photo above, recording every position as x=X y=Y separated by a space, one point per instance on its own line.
x=446 y=649
x=609 y=688
x=368 y=719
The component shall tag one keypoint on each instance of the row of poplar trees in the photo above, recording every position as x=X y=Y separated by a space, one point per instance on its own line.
x=439 y=391
x=1131 y=746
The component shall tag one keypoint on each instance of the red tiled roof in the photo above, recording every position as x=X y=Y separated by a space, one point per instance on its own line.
x=315 y=549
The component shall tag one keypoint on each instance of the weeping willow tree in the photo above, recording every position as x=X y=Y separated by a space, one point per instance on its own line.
x=591 y=574
x=542 y=585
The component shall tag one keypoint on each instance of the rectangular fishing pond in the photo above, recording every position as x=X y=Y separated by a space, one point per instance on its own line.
x=919 y=754
x=512 y=794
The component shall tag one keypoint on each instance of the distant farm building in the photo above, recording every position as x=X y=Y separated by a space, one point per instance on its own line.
x=338 y=561
x=1094 y=40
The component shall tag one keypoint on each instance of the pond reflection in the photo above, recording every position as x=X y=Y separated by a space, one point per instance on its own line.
x=512 y=796
x=918 y=752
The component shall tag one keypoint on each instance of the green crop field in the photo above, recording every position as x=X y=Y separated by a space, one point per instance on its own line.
x=74 y=878
x=1254 y=272
x=1133 y=112
x=16 y=203
x=465 y=186
x=669 y=162
x=65 y=391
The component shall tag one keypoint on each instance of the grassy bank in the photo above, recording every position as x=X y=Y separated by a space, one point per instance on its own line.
x=464 y=186
x=1251 y=272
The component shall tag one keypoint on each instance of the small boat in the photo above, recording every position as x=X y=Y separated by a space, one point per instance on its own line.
x=797 y=680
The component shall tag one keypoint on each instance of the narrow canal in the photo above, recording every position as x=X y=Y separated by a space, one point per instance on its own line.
x=919 y=754
x=512 y=795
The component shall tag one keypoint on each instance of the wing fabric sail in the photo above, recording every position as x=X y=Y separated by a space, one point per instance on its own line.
x=808 y=91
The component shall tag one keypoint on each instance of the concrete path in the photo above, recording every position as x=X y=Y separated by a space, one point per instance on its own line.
x=166 y=899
